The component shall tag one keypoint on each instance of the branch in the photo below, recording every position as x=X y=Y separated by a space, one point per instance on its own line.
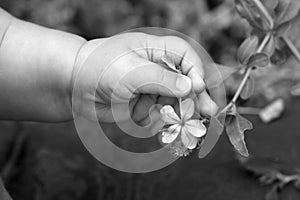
x=249 y=69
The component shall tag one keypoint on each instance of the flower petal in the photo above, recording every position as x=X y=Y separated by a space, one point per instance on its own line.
x=188 y=140
x=171 y=134
x=187 y=109
x=195 y=127
x=168 y=115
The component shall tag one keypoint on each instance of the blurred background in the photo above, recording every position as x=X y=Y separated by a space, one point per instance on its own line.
x=48 y=161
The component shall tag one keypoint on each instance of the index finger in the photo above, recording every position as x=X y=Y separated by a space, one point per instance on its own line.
x=182 y=53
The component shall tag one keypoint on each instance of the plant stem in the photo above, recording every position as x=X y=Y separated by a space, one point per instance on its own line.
x=249 y=69
x=264 y=43
x=265 y=12
x=242 y=85
x=180 y=99
x=180 y=111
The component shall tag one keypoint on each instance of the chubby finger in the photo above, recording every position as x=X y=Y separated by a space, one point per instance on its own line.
x=183 y=54
x=205 y=105
x=151 y=78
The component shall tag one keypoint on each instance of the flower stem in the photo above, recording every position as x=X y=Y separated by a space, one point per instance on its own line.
x=180 y=107
x=242 y=85
x=264 y=43
x=180 y=99
x=249 y=69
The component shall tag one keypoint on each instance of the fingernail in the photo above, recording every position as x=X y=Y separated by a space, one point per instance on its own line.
x=183 y=83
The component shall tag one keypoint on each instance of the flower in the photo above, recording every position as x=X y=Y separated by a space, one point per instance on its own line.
x=179 y=150
x=190 y=130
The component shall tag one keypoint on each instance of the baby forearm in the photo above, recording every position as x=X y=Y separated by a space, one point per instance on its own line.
x=36 y=66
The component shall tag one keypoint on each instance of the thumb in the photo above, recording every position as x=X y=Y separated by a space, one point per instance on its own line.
x=151 y=78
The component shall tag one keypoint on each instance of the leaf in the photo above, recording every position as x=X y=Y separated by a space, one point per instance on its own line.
x=279 y=57
x=281 y=9
x=218 y=74
x=212 y=136
x=279 y=43
x=286 y=10
x=249 y=11
x=170 y=63
x=236 y=125
x=270 y=4
x=3 y=193
x=283 y=29
x=248 y=89
x=270 y=47
x=259 y=60
x=247 y=48
x=272 y=194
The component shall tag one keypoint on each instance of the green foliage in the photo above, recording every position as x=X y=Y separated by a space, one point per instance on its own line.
x=270 y=22
x=272 y=172
x=235 y=126
x=248 y=89
x=258 y=60
x=247 y=49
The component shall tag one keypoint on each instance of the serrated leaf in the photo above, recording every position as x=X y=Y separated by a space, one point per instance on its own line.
x=270 y=46
x=248 y=89
x=259 y=60
x=212 y=136
x=286 y=10
x=216 y=74
x=247 y=48
x=236 y=125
